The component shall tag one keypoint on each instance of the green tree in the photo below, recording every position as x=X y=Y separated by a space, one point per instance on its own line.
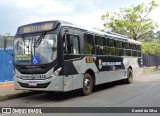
x=158 y=34
x=149 y=37
x=1 y=41
x=152 y=48
x=8 y=40
x=133 y=21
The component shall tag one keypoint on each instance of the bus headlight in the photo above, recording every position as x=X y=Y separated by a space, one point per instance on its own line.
x=56 y=73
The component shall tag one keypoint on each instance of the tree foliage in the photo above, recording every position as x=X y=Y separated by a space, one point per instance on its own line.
x=158 y=34
x=9 y=40
x=152 y=48
x=133 y=21
x=1 y=41
x=149 y=37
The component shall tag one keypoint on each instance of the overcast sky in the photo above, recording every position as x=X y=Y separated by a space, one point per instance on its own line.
x=86 y=13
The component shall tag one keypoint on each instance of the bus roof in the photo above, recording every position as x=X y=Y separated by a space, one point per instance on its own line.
x=105 y=34
x=49 y=25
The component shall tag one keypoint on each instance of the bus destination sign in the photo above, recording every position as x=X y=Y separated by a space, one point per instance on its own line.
x=37 y=27
x=44 y=27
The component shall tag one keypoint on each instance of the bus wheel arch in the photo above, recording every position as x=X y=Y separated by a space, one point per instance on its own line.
x=88 y=82
x=91 y=72
x=130 y=68
x=129 y=75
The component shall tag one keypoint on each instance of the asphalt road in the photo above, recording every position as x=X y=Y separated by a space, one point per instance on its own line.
x=143 y=92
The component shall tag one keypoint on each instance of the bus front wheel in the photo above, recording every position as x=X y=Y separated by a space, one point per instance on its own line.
x=87 y=84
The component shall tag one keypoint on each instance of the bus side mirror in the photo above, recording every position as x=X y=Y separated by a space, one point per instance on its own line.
x=5 y=43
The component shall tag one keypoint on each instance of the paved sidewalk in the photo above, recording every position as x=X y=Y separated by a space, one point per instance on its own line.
x=7 y=91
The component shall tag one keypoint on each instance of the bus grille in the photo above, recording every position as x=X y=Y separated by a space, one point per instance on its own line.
x=45 y=85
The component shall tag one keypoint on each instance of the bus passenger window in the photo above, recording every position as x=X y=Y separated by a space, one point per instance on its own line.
x=111 y=51
x=72 y=44
x=111 y=42
x=89 y=44
x=127 y=52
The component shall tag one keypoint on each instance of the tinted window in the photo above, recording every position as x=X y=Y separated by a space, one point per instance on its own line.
x=89 y=44
x=104 y=50
x=101 y=50
x=111 y=43
x=127 y=46
x=128 y=52
x=98 y=40
x=133 y=46
x=98 y=50
x=104 y=41
x=119 y=44
x=134 y=53
x=119 y=52
x=73 y=44
x=111 y=51
x=139 y=47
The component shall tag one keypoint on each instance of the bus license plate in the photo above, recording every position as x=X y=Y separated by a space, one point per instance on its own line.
x=32 y=84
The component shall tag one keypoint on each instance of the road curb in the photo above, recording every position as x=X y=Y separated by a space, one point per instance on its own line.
x=17 y=95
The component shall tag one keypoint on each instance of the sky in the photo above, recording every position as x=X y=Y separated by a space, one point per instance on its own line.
x=86 y=13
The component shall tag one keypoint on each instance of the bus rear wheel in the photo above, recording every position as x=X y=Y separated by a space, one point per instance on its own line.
x=129 y=77
x=87 y=84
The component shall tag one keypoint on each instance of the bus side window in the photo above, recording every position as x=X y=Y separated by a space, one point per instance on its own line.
x=89 y=44
x=71 y=44
x=64 y=44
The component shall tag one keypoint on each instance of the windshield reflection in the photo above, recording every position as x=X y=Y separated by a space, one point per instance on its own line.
x=35 y=50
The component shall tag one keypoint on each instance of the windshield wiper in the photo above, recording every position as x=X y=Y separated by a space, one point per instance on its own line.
x=39 y=40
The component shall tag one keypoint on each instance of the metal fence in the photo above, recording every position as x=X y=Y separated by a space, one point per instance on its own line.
x=6 y=64
x=9 y=42
x=6 y=60
x=150 y=60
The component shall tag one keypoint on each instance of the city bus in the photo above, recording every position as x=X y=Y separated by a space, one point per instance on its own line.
x=60 y=56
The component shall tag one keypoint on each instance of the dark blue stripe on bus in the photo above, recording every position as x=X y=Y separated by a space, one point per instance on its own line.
x=140 y=62
x=109 y=63
x=103 y=63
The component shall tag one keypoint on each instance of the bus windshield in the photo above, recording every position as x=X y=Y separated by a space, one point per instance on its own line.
x=35 y=50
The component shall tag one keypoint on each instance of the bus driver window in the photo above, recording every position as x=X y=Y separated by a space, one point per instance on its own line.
x=67 y=46
x=70 y=44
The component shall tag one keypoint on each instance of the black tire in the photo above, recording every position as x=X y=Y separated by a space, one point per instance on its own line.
x=87 y=85
x=49 y=92
x=129 y=77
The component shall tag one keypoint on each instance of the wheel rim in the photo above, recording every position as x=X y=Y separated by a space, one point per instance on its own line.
x=87 y=84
